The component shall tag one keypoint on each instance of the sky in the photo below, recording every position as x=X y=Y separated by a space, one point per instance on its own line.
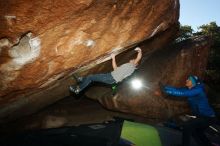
x=198 y=12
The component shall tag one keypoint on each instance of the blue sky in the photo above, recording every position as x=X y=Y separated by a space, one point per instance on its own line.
x=198 y=12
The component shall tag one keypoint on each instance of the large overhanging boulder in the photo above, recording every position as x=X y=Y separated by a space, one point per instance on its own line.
x=170 y=65
x=43 y=42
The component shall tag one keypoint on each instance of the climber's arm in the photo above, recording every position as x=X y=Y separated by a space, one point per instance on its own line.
x=139 y=55
x=114 y=64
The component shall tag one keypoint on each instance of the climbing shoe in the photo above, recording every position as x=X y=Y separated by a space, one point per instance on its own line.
x=76 y=89
x=114 y=89
x=78 y=79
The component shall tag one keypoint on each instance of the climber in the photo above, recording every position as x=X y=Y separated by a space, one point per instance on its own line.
x=117 y=75
x=198 y=102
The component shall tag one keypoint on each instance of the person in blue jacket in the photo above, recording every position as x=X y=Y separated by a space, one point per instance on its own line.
x=198 y=102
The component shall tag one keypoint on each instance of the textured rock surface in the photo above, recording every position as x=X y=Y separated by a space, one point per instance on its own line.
x=44 y=41
x=68 y=112
x=170 y=65
x=73 y=33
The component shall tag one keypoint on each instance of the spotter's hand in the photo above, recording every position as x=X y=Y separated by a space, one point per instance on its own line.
x=157 y=93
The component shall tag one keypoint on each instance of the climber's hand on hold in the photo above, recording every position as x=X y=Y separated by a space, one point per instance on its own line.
x=138 y=49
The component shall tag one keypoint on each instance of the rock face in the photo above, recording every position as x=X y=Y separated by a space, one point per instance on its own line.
x=170 y=65
x=44 y=42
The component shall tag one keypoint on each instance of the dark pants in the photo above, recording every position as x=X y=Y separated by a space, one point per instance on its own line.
x=102 y=78
x=196 y=127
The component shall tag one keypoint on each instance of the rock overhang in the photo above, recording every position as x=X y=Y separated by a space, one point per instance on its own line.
x=45 y=42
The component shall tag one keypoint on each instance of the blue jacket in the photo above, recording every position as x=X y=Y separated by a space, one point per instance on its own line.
x=196 y=97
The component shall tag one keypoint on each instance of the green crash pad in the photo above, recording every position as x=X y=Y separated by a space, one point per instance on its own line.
x=140 y=134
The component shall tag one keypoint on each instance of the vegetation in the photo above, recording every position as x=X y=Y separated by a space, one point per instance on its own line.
x=186 y=31
x=212 y=30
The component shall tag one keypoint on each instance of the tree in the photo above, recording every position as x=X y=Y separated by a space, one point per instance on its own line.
x=186 y=31
x=213 y=30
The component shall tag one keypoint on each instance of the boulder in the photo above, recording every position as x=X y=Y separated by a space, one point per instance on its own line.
x=43 y=42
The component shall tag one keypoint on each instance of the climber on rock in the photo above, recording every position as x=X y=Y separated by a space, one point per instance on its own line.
x=117 y=75
x=203 y=114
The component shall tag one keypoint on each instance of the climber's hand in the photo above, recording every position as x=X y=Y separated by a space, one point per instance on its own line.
x=138 y=49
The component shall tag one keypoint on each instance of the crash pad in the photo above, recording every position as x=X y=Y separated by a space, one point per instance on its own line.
x=140 y=134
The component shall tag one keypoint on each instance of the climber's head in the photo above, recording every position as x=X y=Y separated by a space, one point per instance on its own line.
x=191 y=81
